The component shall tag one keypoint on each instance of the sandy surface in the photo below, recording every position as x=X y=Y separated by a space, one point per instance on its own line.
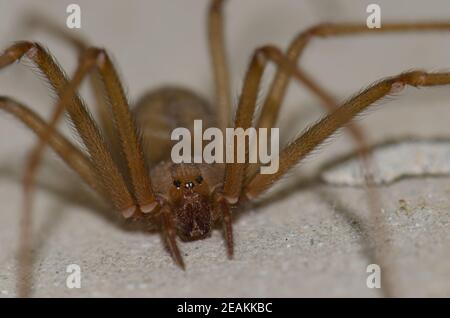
x=312 y=239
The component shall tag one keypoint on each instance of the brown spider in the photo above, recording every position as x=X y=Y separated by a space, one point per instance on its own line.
x=135 y=173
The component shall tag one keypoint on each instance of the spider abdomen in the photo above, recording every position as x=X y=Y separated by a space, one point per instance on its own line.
x=161 y=111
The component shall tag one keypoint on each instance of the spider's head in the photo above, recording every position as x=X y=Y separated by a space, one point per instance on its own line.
x=190 y=203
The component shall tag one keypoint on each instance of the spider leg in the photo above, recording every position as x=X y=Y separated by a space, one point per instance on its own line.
x=269 y=115
x=219 y=63
x=101 y=159
x=272 y=104
x=105 y=168
x=227 y=227
x=73 y=157
x=131 y=144
x=235 y=172
x=275 y=96
x=34 y=21
x=328 y=125
x=97 y=58
x=171 y=237
x=271 y=107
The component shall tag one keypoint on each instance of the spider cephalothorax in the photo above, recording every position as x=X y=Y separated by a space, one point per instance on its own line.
x=189 y=193
x=191 y=202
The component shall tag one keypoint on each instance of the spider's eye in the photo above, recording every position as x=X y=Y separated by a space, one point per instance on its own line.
x=199 y=179
x=177 y=183
x=189 y=185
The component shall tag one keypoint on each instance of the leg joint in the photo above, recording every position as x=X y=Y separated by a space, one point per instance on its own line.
x=19 y=49
x=96 y=54
x=414 y=78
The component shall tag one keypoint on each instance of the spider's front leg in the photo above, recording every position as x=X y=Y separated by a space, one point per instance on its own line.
x=171 y=236
x=105 y=168
x=235 y=172
x=328 y=125
x=34 y=21
x=314 y=136
x=275 y=96
x=101 y=173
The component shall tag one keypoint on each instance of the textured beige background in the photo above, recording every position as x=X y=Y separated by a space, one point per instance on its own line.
x=308 y=243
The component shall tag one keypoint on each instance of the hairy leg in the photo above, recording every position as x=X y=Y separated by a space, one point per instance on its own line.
x=271 y=106
x=87 y=129
x=319 y=132
x=270 y=111
x=130 y=142
x=277 y=91
x=235 y=172
x=101 y=159
x=315 y=135
x=35 y=21
x=73 y=157
x=96 y=58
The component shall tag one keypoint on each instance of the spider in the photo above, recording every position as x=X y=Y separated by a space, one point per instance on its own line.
x=127 y=158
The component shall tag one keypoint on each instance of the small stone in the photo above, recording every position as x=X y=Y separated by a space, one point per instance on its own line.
x=393 y=161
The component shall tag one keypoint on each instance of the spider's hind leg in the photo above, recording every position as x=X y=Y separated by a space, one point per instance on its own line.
x=73 y=157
